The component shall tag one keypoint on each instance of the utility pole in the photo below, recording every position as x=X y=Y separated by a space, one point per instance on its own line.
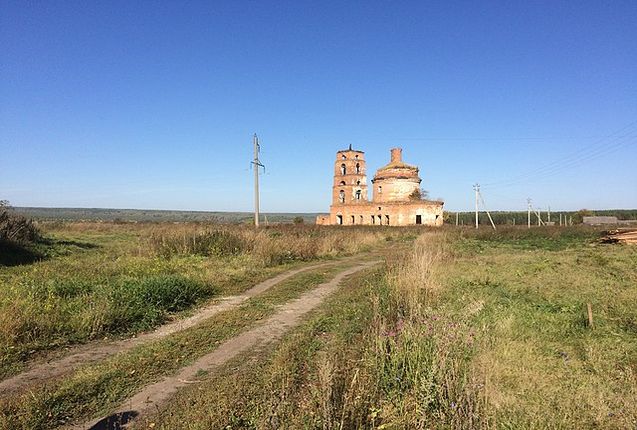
x=549 y=214
x=256 y=164
x=457 y=218
x=485 y=208
x=476 y=188
x=528 y=203
x=560 y=220
x=538 y=213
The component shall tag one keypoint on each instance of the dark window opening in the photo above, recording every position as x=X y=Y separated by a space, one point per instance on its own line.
x=358 y=194
x=353 y=219
x=386 y=219
x=358 y=182
x=343 y=156
x=380 y=190
x=341 y=196
x=339 y=219
x=356 y=156
x=361 y=219
x=342 y=183
x=380 y=220
x=418 y=219
x=358 y=168
x=343 y=169
x=439 y=215
x=373 y=219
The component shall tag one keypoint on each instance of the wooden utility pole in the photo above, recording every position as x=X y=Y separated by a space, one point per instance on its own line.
x=256 y=164
x=476 y=188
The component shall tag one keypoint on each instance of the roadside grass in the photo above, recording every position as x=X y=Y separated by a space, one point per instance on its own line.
x=374 y=355
x=542 y=365
x=450 y=335
x=97 y=388
x=305 y=381
x=108 y=279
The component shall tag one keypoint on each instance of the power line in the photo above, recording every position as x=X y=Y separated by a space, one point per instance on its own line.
x=618 y=139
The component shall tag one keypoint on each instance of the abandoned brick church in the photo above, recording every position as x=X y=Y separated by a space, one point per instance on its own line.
x=396 y=198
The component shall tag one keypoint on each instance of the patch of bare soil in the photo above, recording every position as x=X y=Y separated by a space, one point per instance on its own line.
x=273 y=328
x=95 y=352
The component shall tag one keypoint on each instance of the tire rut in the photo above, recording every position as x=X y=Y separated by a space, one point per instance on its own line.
x=272 y=329
x=90 y=353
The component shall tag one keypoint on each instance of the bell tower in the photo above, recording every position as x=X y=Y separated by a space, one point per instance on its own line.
x=350 y=178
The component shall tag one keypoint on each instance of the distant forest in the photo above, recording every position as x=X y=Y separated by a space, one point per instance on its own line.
x=519 y=217
x=141 y=215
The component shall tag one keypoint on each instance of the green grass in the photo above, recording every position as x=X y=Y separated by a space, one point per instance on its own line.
x=300 y=383
x=495 y=337
x=96 y=388
x=95 y=280
x=544 y=366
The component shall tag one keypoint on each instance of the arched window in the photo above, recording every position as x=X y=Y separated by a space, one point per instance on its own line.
x=343 y=157
x=380 y=189
x=353 y=219
x=358 y=194
x=358 y=182
x=358 y=168
x=341 y=196
x=342 y=183
x=343 y=169
x=356 y=156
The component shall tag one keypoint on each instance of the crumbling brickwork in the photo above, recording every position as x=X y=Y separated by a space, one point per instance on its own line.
x=395 y=199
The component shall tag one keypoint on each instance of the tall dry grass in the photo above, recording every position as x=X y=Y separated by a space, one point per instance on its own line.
x=268 y=247
x=420 y=356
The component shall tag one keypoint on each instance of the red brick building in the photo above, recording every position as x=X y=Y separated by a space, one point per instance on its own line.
x=395 y=194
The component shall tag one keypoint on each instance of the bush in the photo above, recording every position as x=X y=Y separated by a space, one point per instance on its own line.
x=18 y=237
x=16 y=229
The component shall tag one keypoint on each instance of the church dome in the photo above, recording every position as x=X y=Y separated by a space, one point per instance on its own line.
x=397 y=181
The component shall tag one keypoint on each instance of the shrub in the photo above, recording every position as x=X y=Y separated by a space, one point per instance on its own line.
x=15 y=228
x=18 y=237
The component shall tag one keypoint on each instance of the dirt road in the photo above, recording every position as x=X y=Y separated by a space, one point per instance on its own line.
x=90 y=353
x=271 y=330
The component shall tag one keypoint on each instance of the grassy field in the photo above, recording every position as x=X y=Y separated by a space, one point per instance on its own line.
x=97 y=280
x=459 y=329
x=467 y=330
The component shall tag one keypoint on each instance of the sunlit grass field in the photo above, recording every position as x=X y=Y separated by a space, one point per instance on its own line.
x=459 y=329
x=466 y=330
x=97 y=280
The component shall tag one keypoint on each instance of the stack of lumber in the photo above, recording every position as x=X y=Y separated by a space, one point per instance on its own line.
x=628 y=236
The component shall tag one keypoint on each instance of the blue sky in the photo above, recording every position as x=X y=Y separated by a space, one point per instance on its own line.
x=150 y=104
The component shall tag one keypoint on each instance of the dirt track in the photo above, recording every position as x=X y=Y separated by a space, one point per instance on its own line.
x=92 y=353
x=272 y=329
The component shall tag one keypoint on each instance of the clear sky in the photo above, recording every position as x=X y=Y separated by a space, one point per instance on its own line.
x=150 y=104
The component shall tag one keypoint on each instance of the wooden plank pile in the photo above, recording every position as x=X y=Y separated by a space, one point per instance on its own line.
x=628 y=236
